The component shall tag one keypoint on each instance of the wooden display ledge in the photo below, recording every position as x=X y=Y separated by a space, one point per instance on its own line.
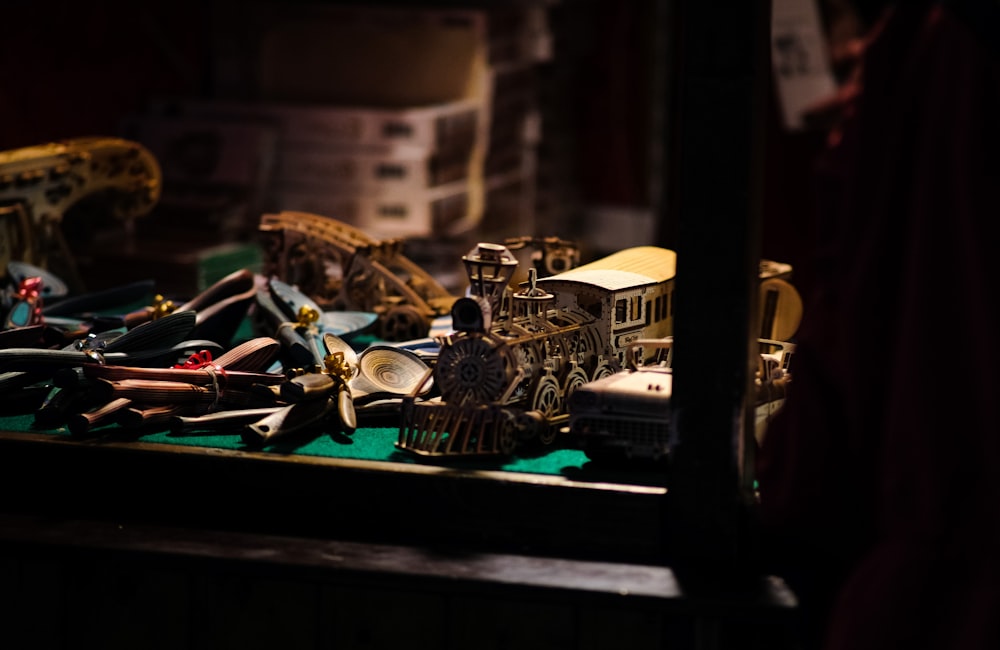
x=342 y=498
x=101 y=584
x=124 y=544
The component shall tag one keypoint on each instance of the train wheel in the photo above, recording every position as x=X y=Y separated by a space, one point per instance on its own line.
x=404 y=323
x=506 y=432
x=577 y=377
x=547 y=435
x=548 y=402
x=603 y=369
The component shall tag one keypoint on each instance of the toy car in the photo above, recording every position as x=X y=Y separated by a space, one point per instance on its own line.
x=627 y=415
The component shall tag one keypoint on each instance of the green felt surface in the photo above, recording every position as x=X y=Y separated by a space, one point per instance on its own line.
x=371 y=444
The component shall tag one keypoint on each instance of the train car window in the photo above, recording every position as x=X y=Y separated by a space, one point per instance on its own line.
x=621 y=312
x=592 y=305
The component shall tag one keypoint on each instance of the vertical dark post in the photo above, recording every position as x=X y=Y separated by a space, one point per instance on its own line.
x=712 y=219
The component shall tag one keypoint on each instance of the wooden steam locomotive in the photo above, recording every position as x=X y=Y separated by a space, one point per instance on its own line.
x=505 y=372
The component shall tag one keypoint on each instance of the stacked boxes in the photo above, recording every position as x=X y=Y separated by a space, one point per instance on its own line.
x=392 y=173
x=409 y=173
x=400 y=58
x=407 y=123
x=380 y=109
x=413 y=123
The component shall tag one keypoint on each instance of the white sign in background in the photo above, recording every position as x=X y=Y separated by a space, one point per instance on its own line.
x=800 y=58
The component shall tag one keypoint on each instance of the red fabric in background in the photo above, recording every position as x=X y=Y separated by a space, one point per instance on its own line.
x=880 y=479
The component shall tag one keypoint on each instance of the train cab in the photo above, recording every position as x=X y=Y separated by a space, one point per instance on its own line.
x=629 y=293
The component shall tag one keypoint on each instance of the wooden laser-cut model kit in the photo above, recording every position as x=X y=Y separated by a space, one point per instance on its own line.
x=626 y=416
x=343 y=268
x=506 y=371
x=39 y=184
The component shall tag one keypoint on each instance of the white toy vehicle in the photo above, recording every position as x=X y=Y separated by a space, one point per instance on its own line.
x=627 y=415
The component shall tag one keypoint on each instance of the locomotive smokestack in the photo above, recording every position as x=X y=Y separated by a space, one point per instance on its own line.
x=490 y=267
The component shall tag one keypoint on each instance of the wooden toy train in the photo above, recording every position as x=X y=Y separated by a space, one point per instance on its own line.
x=514 y=357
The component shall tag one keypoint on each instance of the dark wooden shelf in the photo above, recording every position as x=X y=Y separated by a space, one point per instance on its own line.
x=292 y=494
